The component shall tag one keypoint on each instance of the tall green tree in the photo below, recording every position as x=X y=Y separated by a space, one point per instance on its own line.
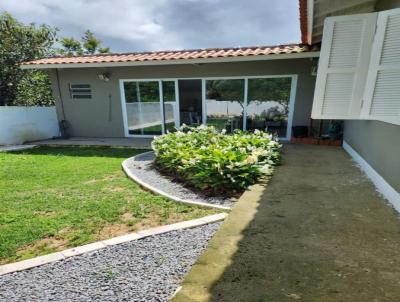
x=89 y=45
x=18 y=43
x=71 y=47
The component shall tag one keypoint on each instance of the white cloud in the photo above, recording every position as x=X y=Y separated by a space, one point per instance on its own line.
x=128 y=25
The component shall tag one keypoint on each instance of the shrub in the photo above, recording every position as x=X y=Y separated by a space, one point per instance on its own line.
x=216 y=162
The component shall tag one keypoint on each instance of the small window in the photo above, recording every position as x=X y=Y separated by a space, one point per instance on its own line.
x=80 y=91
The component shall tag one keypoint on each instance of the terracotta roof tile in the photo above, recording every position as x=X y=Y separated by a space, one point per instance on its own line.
x=176 y=54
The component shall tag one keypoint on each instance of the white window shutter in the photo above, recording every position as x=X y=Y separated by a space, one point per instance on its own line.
x=343 y=66
x=382 y=91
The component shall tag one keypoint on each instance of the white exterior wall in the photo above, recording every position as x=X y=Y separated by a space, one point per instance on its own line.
x=24 y=124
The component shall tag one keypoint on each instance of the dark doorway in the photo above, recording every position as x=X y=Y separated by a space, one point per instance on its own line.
x=190 y=102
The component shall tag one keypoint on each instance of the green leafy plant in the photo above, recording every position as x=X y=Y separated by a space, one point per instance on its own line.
x=18 y=43
x=216 y=162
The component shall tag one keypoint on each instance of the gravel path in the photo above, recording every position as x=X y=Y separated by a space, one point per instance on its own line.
x=141 y=167
x=149 y=269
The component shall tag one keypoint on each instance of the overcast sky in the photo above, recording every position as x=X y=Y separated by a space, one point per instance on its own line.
x=139 y=25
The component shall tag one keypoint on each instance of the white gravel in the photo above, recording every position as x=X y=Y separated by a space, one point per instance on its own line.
x=149 y=269
x=142 y=167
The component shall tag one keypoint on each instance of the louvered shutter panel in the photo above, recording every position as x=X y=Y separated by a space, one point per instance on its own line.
x=343 y=66
x=382 y=92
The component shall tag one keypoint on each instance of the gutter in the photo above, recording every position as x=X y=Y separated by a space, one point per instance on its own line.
x=59 y=95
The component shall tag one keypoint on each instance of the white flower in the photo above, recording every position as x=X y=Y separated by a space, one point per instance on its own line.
x=266 y=169
x=249 y=147
x=179 y=133
x=233 y=180
x=202 y=126
x=203 y=147
x=223 y=131
x=251 y=159
x=242 y=150
x=259 y=152
x=257 y=132
x=192 y=161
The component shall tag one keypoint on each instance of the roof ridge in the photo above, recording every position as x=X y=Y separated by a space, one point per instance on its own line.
x=178 y=50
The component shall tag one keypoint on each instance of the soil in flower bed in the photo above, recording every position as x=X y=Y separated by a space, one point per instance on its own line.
x=176 y=178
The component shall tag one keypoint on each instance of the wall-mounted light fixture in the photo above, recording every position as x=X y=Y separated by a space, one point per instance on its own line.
x=105 y=76
x=314 y=71
x=314 y=67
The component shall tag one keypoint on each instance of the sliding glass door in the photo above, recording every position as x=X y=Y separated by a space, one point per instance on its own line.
x=250 y=103
x=268 y=104
x=171 y=106
x=143 y=110
x=153 y=107
x=225 y=103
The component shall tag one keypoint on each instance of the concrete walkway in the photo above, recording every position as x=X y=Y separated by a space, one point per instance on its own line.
x=137 y=143
x=10 y=148
x=317 y=232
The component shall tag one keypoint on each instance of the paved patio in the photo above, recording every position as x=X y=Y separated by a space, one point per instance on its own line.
x=138 y=143
x=317 y=232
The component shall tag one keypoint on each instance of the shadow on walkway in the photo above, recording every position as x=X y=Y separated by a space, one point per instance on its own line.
x=317 y=232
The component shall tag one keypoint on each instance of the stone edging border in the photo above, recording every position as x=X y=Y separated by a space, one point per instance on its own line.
x=53 y=257
x=162 y=193
x=16 y=148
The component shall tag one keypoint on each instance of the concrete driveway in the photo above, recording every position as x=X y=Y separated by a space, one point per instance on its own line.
x=317 y=232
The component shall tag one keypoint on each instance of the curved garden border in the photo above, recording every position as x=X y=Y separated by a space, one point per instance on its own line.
x=135 y=177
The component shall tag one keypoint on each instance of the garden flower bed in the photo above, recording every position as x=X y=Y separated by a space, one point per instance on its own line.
x=215 y=162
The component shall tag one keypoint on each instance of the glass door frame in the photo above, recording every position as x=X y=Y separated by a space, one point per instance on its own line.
x=292 y=99
x=161 y=100
x=204 y=96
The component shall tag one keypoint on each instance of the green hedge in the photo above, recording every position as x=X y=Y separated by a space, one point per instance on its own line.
x=214 y=161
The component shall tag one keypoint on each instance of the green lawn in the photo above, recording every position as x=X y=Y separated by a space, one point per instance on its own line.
x=52 y=198
x=218 y=123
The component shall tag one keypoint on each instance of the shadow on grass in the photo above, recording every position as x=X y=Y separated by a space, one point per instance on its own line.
x=82 y=151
